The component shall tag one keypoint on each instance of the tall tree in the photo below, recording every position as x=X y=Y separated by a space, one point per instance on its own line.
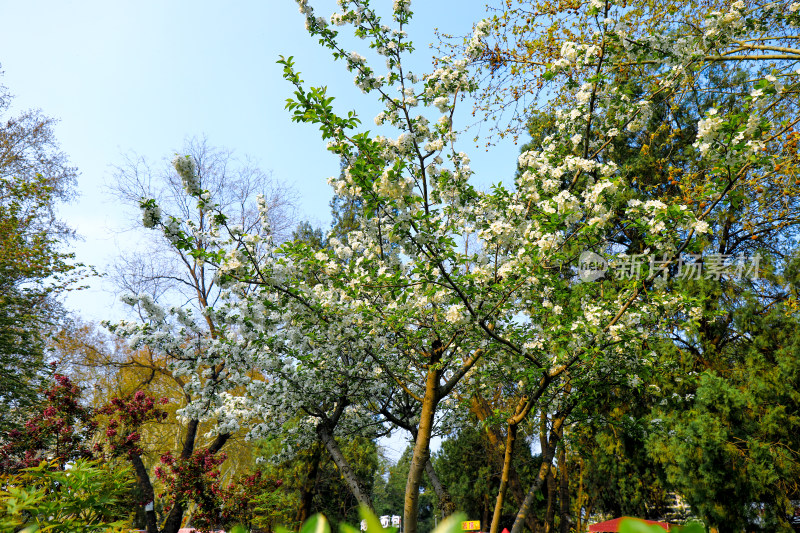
x=726 y=435
x=166 y=273
x=35 y=267
x=418 y=310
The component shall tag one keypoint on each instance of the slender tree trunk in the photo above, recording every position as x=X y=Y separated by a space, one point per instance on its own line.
x=446 y=504
x=550 y=483
x=565 y=519
x=520 y=412
x=143 y=480
x=498 y=506
x=548 y=452
x=421 y=450
x=519 y=497
x=550 y=513
x=589 y=510
x=579 y=503
x=531 y=496
x=307 y=491
x=351 y=480
x=480 y=408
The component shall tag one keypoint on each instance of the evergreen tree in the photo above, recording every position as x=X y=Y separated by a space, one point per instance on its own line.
x=727 y=437
x=389 y=497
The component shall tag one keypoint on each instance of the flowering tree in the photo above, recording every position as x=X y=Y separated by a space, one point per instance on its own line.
x=59 y=433
x=184 y=348
x=123 y=435
x=445 y=288
x=742 y=57
x=522 y=39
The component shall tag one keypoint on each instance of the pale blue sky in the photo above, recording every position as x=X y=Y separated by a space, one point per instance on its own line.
x=143 y=75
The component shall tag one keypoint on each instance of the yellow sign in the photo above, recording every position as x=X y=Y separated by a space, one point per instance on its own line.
x=471 y=525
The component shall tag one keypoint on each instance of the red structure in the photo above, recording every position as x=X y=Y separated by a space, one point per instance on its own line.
x=612 y=526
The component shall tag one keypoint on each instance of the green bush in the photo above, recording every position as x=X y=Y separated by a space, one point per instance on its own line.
x=87 y=497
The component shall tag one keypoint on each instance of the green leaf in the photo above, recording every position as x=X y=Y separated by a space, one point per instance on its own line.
x=347 y=528
x=452 y=524
x=694 y=527
x=316 y=524
x=633 y=525
x=373 y=523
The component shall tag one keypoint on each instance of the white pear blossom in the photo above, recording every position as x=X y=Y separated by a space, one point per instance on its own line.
x=701 y=226
x=187 y=170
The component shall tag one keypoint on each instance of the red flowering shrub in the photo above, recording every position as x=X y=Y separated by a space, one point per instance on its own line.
x=60 y=432
x=126 y=418
x=195 y=479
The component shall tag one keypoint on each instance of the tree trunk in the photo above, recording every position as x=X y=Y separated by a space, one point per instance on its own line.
x=548 y=451
x=480 y=408
x=351 y=480
x=531 y=496
x=519 y=496
x=579 y=503
x=550 y=513
x=589 y=510
x=565 y=519
x=307 y=491
x=498 y=506
x=175 y=516
x=446 y=504
x=143 y=480
x=550 y=483
x=421 y=450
